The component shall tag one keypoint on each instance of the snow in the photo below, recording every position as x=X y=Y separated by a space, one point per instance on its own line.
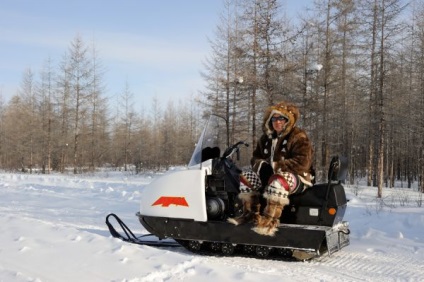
x=53 y=229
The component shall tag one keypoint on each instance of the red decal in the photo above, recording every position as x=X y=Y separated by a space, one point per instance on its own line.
x=167 y=201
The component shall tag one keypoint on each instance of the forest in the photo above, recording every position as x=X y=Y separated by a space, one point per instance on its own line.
x=355 y=69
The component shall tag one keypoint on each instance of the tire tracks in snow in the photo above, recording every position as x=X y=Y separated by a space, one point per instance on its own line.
x=347 y=265
x=373 y=266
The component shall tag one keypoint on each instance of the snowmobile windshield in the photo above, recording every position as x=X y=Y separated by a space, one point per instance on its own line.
x=212 y=142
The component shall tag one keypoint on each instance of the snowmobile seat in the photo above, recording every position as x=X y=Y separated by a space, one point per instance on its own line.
x=332 y=192
x=322 y=204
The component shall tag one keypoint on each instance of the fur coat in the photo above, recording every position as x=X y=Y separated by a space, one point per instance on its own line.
x=293 y=150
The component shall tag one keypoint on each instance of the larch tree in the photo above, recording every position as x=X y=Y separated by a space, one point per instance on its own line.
x=128 y=123
x=387 y=28
x=419 y=59
x=98 y=135
x=30 y=126
x=46 y=91
x=80 y=73
x=63 y=104
x=224 y=71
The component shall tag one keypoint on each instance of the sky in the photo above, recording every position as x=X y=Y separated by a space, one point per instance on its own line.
x=52 y=228
x=156 y=46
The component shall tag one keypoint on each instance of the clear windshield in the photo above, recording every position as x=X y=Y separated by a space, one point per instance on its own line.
x=212 y=141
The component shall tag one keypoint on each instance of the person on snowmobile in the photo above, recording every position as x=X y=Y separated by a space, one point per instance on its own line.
x=281 y=166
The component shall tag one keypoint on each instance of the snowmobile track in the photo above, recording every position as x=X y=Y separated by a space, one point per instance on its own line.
x=232 y=250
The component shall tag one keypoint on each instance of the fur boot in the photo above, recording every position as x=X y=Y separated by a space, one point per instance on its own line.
x=276 y=194
x=251 y=207
x=249 y=196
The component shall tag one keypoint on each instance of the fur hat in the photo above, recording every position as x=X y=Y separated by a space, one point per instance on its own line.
x=287 y=110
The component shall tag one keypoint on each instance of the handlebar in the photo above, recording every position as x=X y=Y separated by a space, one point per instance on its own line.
x=234 y=148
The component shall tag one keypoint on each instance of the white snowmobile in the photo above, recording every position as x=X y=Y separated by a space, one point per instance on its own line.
x=191 y=206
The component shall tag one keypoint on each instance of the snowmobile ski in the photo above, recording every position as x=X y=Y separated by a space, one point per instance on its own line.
x=131 y=238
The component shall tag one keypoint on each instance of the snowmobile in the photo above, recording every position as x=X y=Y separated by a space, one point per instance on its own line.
x=192 y=205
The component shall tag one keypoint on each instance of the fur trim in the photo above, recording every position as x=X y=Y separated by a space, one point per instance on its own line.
x=244 y=190
x=233 y=221
x=290 y=111
x=251 y=208
x=306 y=182
x=267 y=231
x=281 y=199
x=247 y=196
x=276 y=192
x=268 y=123
x=269 y=222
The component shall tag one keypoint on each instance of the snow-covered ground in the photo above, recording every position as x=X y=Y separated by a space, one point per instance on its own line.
x=52 y=228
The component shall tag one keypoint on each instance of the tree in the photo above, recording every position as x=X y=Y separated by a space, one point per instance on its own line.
x=127 y=124
x=63 y=101
x=224 y=71
x=416 y=52
x=3 y=136
x=262 y=42
x=98 y=134
x=46 y=92
x=80 y=74
x=30 y=128
x=385 y=28
x=157 y=136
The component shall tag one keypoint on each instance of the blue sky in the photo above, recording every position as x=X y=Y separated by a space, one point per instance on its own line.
x=157 y=46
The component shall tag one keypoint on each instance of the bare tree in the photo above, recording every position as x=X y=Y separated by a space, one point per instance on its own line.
x=80 y=82
x=46 y=93
x=98 y=133
x=2 y=131
x=385 y=28
x=420 y=83
x=63 y=101
x=224 y=70
x=128 y=120
x=416 y=51
x=157 y=136
x=29 y=114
